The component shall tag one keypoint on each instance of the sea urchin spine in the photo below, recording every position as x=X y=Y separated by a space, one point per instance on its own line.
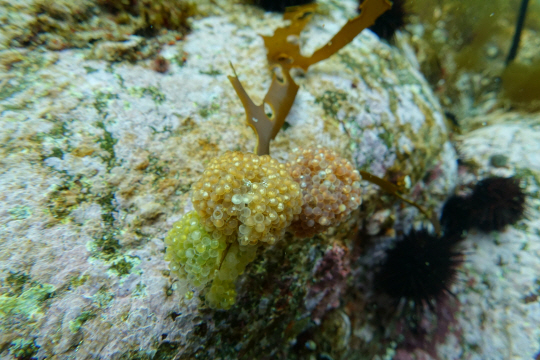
x=497 y=202
x=420 y=270
x=280 y=5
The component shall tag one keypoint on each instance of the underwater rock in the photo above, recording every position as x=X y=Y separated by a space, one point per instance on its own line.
x=98 y=159
x=498 y=313
x=67 y=24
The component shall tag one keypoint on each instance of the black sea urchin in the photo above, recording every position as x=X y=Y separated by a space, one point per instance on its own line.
x=456 y=216
x=419 y=269
x=394 y=19
x=496 y=202
x=280 y=5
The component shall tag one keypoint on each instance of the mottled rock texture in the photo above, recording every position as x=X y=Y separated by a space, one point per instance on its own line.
x=97 y=159
x=499 y=292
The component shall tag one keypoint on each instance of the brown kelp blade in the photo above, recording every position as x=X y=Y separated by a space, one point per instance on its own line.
x=284 y=52
x=394 y=190
x=280 y=98
x=281 y=50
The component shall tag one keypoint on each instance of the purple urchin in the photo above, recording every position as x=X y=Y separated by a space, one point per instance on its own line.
x=280 y=5
x=496 y=202
x=419 y=269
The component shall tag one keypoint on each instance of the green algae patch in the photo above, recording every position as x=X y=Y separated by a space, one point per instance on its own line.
x=23 y=348
x=107 y=143
x=28 y=303
x=206 y=111
x=387 y=138
x=139 y=291
x=89 y=69
x=102 y=100
x=124 y=265
x=16 y=282
x=211 y=72
x=59 y=130
x=153 y=92
x=20 y=212
x=66 y=197
x=331 y=102
x=75 y=325
x=157 y=167
x=106 y=244
x=77 y=281
x=57 y=152
x=15 y=87
x=102 y=298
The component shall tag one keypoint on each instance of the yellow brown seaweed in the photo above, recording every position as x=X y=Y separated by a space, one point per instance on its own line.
x=280 y=98
x=286 y=55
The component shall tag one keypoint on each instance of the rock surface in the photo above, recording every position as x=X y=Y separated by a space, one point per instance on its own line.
x=499 y=294
x=98 y=159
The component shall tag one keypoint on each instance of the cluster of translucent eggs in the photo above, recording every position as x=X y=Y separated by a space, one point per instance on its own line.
x=243 y=200
x=194 y=253
x=253 y=196
x=222 y=294
x=330 y=189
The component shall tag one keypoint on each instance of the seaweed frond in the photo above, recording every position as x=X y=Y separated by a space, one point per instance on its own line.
x=280 y=98
x=395 y=190
x=285 y=54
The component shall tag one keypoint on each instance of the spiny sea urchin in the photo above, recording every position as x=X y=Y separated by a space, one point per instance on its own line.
x=456 y=215
x=419 y=269
x=280 y=5
x=392 y=20
x=496 y=202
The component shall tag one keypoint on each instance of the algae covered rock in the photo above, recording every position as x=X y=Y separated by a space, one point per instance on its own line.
x=65 y=24
x=99 y=158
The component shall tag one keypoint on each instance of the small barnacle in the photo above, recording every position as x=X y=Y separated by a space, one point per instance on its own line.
x=160 y=64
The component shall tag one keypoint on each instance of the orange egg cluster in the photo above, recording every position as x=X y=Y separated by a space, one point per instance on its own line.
x=330 y=189
x=253 y=196
x=243 y=200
